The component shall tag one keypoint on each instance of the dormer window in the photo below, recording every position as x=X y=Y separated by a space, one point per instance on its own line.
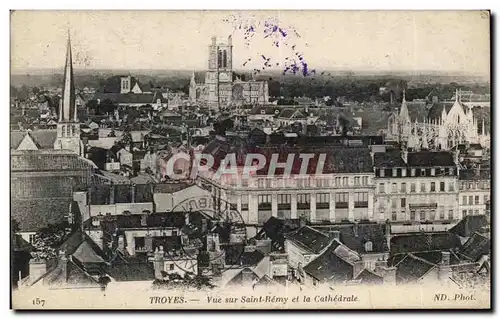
x=394 y=172
x=403 y=172
x=422 y=172
x=382 y=172
x=263 y=112
x=433 y=172
x=413 y=172
x=368 y=246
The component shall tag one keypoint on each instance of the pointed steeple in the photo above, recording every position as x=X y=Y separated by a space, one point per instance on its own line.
x=68 y=106
x=457 y=96
x=404 y=109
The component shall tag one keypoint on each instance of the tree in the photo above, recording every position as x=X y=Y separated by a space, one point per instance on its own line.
x=48 y=239
x=190 y=280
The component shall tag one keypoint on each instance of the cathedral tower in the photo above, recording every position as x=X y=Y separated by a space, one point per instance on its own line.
x=68 y=127
x=219 y=76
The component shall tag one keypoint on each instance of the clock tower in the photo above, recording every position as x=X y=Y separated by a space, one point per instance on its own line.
x=219 y=77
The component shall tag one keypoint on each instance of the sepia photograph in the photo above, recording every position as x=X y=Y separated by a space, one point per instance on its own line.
x=285 y=159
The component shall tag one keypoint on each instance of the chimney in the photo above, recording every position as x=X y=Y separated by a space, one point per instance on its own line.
x=121 y=244
x=148 y=242
x=445 y=259
x=37 y=269
x=335 y=234
x=159 y=262
x=246 y=276
x=63 y=263
x=302 y=221
x=358 y=266
x=186 y=218
x=404 y=155
x=389 y=275
x=444 y=268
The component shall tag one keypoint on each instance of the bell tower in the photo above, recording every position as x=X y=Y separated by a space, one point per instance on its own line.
x=68 y=126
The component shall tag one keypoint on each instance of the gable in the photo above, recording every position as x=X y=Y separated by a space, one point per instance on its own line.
x=27 y=144
x=136 y=89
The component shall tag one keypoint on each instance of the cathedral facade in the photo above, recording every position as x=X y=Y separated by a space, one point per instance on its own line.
x=220 y=86
x=443 y=127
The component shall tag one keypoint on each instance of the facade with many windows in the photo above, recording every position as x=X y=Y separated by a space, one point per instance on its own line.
x=416 y=187
x=474 y=191
x=342 y=191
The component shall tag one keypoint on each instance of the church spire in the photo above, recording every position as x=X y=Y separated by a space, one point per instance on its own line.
x=68 y=107
x=404 y=109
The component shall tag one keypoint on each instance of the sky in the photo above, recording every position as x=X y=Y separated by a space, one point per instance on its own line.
x=418 y=41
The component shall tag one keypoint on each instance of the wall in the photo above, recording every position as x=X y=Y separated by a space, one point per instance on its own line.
x=118 y=209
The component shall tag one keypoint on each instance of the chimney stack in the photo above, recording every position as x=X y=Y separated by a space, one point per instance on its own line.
x=335 y=234
x=63 y=262
x=302 y=221
x=159 y=262
x=37 y=268
x=445 y=259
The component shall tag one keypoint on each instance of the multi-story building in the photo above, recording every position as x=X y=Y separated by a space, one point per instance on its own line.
x=221 y=87
x=342 y=190
x=475 y=191
x=415 y=186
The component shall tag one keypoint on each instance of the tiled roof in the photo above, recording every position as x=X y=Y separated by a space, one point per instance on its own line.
x=474 y=175
x=36 y=213
x=75 y=275
x=132 y=98
x=131 y=270
x=430 y=159
x=389 y=159
x=477 y=246
x=469 y=225
x=424 y=242
x=368 y=277
x=43 y=138
x=50 y=160
x=288 y=113
x=309 y=239
x=329 y=266
x=411 y=268
x=356 y=239
x=268 y=110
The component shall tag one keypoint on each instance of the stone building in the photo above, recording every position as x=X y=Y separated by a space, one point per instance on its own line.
x=221 y=87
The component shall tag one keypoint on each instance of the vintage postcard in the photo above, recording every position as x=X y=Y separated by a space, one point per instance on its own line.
x=250 y=160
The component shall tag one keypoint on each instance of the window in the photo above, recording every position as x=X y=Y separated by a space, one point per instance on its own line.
x=360 y=200
x=451 y=187
x=422 y=215
x=450 y=214
x=403 y=202
x=382 y=172
x=476 y=212
x=403 y=187
x=364 y=181
x=357 y=180
x=441 y=187
x=303 y=201
x=441 y=212
x=244 y=202
x=464 y=213
x=485 y=199
x=394 y=188
x=394 y=172
x=422 y=187
x=433 y=172
x=403 y=172
x=261 y=183
x=337 y=181
x=394 y=216
x=413 y=187
x=432 y=215
x=413 y=172
x=470 y=200
x=345 y=181
x=265 y=202
x=381 y=188
x=476 y=200
x=341 y=200
x=450 y=170
x=171 y=266
x=32 y=238
x=470 y=211
x=464 y=200
x=462 y=186
x=284 y=199
x=394 y=203
x=422 y=172
x=442 y=171
x=433 y=186
x=322 y=201
x=412 y=215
